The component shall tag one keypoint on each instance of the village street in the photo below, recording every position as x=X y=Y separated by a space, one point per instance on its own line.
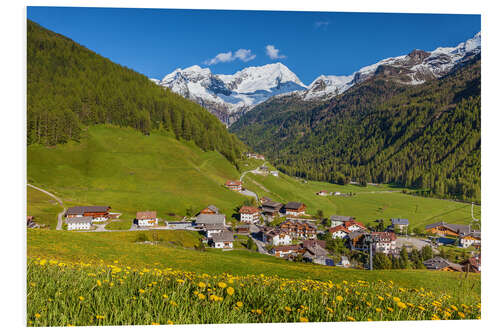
x=59 y=201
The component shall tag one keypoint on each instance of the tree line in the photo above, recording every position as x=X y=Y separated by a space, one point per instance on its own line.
x=70 y=87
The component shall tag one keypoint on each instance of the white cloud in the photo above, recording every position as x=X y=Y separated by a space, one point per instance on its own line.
x=321 y=24
x=273 y=52
x=241 y=54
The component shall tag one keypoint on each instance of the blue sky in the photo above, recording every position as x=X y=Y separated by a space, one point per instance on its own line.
x=154 y=42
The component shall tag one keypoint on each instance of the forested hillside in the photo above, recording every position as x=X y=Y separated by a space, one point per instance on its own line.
x=426 y=136
x=70 y=86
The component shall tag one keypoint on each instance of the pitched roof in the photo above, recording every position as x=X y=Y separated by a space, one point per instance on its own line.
x=79 y=210
x=317 y=251
x=341 y=218
x=225 y=236
x=233 y=183
x=215 y=226
x=249 y=210
x=293 y=205
x=83 y=219
x=385 y=236
x=350 y=223
x=457 y=228
x=339 y=228
x=213 y=209
x=400 y=221
x=314 y=242
x=210 y=219
x=146 y=215
x=282 y=248
x=272 y=205
x=440 y=263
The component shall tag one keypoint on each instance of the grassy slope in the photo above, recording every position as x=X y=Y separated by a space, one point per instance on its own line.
x=42 y=207
x=73 y=246
x=130 y=171
x=369 y=203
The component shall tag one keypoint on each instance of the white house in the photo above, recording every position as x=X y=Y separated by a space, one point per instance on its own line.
x=146 y=219
x=469 y=239
x=275 y=237
x=354 y=226
x=281 y=251
x=249 y=214
x=79 y=223
x=339 y=232
x=223 y=240
x=213 y=229
x=386 y=242
x=274 y=173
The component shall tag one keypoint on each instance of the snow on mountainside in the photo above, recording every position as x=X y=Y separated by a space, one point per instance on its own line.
x=414 y=68
x=228 y=96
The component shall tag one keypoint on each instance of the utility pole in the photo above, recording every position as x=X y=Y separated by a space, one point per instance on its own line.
x=370 y=240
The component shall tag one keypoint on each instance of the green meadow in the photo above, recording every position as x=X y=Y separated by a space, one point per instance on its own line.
x=42 y=207
x=367 y=204
x=130 y=172
x=176 y=250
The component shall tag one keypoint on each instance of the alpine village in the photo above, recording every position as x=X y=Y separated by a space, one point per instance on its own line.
x=357 y=202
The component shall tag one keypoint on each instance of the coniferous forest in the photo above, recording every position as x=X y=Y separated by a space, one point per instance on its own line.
x=425 y=136
x=70 y=87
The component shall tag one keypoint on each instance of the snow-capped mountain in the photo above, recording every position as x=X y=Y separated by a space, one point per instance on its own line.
x=414 y=68
x=228 y=96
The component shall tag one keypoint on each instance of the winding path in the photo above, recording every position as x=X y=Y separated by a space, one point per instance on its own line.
x=59 y=201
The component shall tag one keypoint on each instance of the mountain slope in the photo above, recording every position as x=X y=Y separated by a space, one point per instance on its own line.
x=229 y=96
x=70 y=87
x=414 y=68
x=133 y=172
x=426 y=136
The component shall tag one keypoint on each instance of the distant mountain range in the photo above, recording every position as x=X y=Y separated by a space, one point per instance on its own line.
x=229 y=96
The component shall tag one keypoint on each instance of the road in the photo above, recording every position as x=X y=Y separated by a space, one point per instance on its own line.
x=246 y=191
x=60 y=215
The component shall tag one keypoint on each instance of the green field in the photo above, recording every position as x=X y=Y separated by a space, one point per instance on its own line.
x=176 y=251
x=42 y=207
x=131 y=172
x=367 y=205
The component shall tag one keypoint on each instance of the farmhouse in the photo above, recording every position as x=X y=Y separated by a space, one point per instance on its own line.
x=386 y=242
x=295 y=208
x=298 y=230
x=399 y=225
x=447 y=229
x=202 y=220
x=79 y=223
x=223 y=240
x=144 y=219
x=276 y=237
x=354 y=226
x=339 y=231
x=242 y=230
x=213 y=229
x=317 y=255
x=98 y=213
x=284 y=250
x=440 y=264
x=471 y=238
x=234 y=185
x=340 y=220
x=210 y=210
x=249 y=214
x=271 y=209
x=473 y=264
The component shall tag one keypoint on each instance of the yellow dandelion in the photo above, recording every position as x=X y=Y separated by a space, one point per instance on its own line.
x=165 y=296
x=37 y=315
x=380 y=298
x=154 y=323
x=339 y=298
x=222 y=285
x=43 y=262
x=81 y=298
x=230 y=291
x=173 y=303
x=397 y=299
x=142 y=291
x=239 y=304
x=461 y=314
x=169 y=322
x=350 y=318
x=202 y=285
x=378 y=309
x=454 y=307
x=304 y=320
x=401 y=305
x=287 y=308
x=421 y=307
x=201 y=296
x=390 y=309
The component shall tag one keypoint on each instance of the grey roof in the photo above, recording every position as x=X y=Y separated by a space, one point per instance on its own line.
x=215 y=226
x=83 y=219
x=400 y=221
x=225 y=236
x=79 y=210
x=458 y=228
x=440 y=263
x=272 y=204
x=214 y=209
x=341 y=218
x=293 y=205
x=210 y=219
x=317 y=251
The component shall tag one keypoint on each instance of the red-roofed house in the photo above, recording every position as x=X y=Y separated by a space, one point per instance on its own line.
x=249 y=214
x=354 y=226
x=339 y=231
x=386 y=242
x=234 y=185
